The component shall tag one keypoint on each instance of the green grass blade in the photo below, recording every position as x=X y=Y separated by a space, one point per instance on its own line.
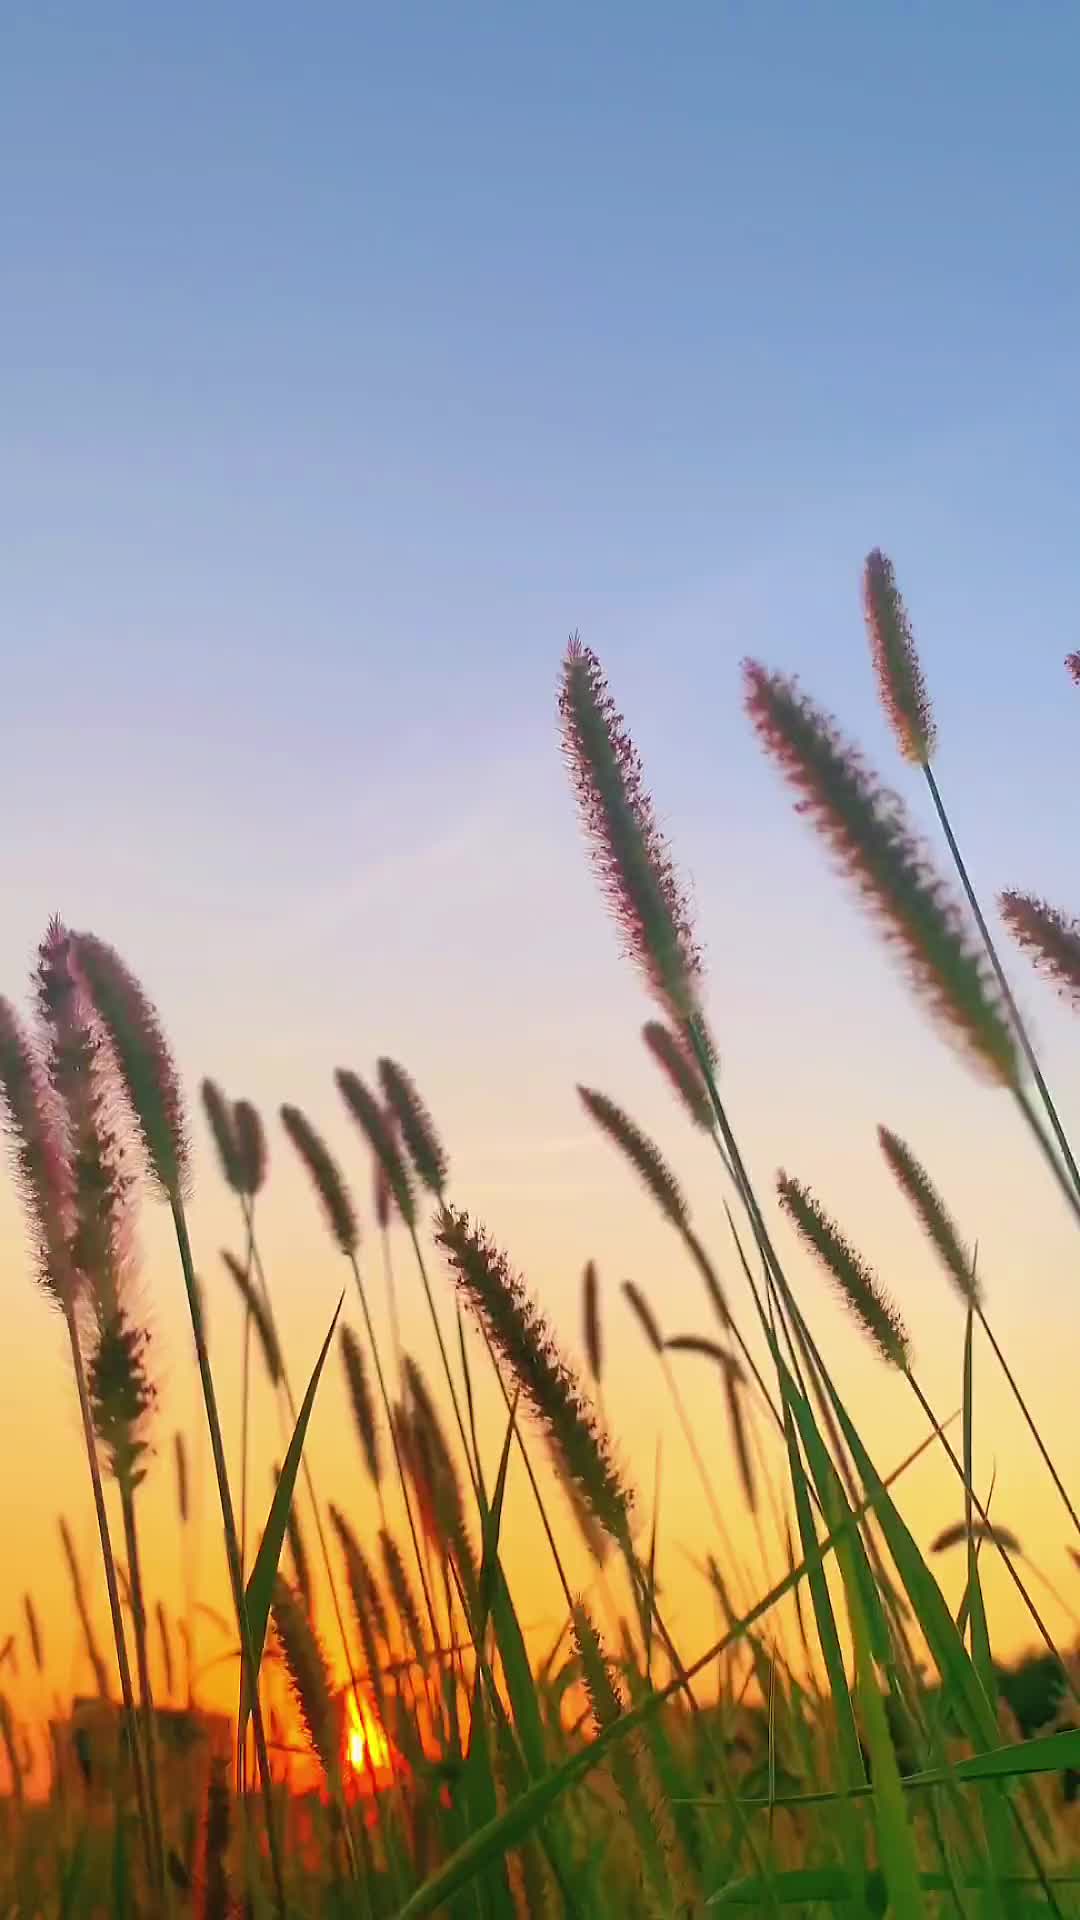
x=260 y=1586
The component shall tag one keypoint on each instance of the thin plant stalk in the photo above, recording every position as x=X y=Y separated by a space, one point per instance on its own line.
x=232 y=1547
x=112 y=1587
x=1023 y=1406
x=1007 y=995
x=138 y=1614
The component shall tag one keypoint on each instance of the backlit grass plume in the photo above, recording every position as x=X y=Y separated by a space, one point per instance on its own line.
x=33 y=1122
x=896 y=662
x=874 y=843
x=265 y=1331
x=366 y=1600
x=1048 y=936
x=221 y=1121
x=858 y=1287
x=631 y=856
x=1072 y=663
x=361 y=1402
x=142 y=1057
x=183 y=1503
x=590 y=1310
x=78 y=1592
x=520 y=1334
x=934 y=1216
x=397 y=1579
x=653 y=1170
x=308 y=1673
x=644 y=1315
x=955 y=1534
x=298 y=1553
x=379 y=1132
x=681 y=1070
x=251 y=1147
x=33 y=1632
x=325 y=1177
x=416 y=1126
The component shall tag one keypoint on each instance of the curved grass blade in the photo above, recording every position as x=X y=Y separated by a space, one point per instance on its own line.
x=260 y=1587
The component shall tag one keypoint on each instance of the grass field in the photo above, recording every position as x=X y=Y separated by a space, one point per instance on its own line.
x=847 y=1744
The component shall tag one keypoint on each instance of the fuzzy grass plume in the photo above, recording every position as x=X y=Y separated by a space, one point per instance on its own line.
x=914 y=1181
x=82 y=1609
x=875 y=844
x=380 y=1134
x=590 y=1311
x=954 y=1535
x=520 y=1334
x=397 y=1579
x=308 y=1673
x=896 y=661
x=183 y=1504
x=326 y=1178
x=142 y=1057
x=682 y=1072
x=1072 y=664
x=33 y=1632
x=251 y=1148
x=858 y=1287
x=1049 y=937
x=630 y=855
x=221 y=1121
x=34 y=1125
x=644 y=1315
x=265 y=1331
x=416 y=1126
x=363 y=1406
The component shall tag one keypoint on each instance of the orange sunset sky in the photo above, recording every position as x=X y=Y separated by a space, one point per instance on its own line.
x=319 y=441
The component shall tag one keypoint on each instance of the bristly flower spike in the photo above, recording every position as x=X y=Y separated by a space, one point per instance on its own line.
x=590 y=1304
x=142 y=1058
x=34 y=1123
x=520 y=1333
x=251 y=1147
x=896 y=662
x=869 y=833
x=858 y=1286
x=644 y=1315
x=219 y=1115
x=416 y=1126
x=1049 y=936
x=632 y=859
x=934 y=1216
x=356 y=1380
x=325 y=1177
x=379 y=1132
x=681 y=1069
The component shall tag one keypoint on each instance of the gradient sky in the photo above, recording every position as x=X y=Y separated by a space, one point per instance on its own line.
x=352 y=357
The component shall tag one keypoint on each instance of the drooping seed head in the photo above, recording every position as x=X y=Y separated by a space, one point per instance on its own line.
x=373 y=1123
x=33 y=1629
x=980 y=1530
x=142 y=1057
x=251 y=1147
x=180 y=1461
x=520 y=1333
x=1050 y=938
x=34 y=1124
x=873 y=841
x=643 y=1156
x=326 y=1178
x=631 y=857
x=261 y=1318
x=858 y=1287
x=416 y=1126
x=220 y=1119
x=308 y=1672
x=122 y=1394
x=590 y=1302
x=678 y=1064
x=363 y=1407
x=934 y=1216
x=644 y=1315
x=896 y=662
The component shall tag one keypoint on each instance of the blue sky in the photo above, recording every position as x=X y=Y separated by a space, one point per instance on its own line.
x=351 y=357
